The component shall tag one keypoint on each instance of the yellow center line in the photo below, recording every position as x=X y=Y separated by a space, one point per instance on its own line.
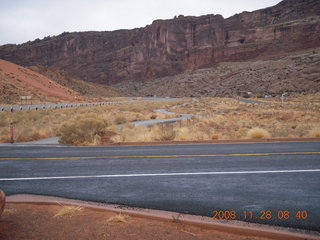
x=168 y=156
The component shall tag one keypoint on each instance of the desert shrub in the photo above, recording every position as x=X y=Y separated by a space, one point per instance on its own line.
x=82 y=129
x=26 y=134
x=4 y=120
x=119 y=218
x=166 y=135
x=68 y=212
x=215 y=136
x=242 y=132
x=315 y=132
x=117 y=139
x=182 y=134
x=258 y=133
x=4 y=135
x=120 y=120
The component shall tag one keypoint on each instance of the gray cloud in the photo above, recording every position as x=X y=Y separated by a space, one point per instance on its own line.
x=24 y=20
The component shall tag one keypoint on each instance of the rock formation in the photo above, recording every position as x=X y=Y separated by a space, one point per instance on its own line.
x=168 y=47
x=297 y=72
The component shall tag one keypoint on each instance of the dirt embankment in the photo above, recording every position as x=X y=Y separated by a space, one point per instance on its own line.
x=17 y=81
x=46 y=84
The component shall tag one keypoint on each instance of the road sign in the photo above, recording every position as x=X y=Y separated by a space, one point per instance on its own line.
x=26 y=98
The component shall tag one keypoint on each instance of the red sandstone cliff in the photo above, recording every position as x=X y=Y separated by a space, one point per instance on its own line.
x=168 y=47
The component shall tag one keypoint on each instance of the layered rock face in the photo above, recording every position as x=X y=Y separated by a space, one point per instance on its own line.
x=168 y=47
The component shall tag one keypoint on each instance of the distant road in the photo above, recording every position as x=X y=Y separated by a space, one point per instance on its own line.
x=245 y=100
x=151 y=122
x=14 y=108
x=271 y=183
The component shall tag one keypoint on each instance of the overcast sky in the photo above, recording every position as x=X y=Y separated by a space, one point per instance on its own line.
x=24 y=20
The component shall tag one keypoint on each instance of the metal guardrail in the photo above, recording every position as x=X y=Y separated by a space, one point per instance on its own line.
x=56 y=106
x=71 y=105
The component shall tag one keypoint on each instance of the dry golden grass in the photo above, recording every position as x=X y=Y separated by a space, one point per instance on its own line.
x=35 y=125
x=83 y=129
x=9 y=211
x=217 y=118
x=224 y=118
x=182 y=134
x=120 y=120
x=315 y=132
x=68 y=212
x=181 y=131
x=119 y=218
x=258 y=133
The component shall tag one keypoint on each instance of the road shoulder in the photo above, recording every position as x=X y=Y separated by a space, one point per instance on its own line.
x=143 y=223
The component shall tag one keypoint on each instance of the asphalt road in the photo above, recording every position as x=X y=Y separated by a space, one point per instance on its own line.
x=151 y=122
x=248 y=178
x=246 y=100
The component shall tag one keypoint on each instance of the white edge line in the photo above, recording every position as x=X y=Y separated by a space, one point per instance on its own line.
x=164 y=145
x=157 y=174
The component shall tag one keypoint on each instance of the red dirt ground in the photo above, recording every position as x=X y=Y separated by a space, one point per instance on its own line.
x=37 y=221
x=27 y=82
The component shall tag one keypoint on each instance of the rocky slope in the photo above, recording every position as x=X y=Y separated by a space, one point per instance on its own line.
x=45 y=85
x=83 y=88
x=298 y=72
x=169 y=47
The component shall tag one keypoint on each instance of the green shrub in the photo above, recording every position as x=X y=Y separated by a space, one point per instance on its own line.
x=83 y=129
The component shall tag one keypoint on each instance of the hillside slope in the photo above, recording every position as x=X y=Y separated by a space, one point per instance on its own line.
x=169 y=47
x=83 y=88
x=299 y=72
x=16 y=81
x=46 y=85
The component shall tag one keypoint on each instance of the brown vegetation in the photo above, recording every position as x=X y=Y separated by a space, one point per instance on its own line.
x=258 y=133
x=83 y=129
x=119 y=218
x=34 y=125
x=315 y=132
x=68 y=212
x=215 y=118
x=225 y=118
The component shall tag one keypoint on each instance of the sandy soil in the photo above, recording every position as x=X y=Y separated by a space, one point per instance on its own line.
x=38 y=221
